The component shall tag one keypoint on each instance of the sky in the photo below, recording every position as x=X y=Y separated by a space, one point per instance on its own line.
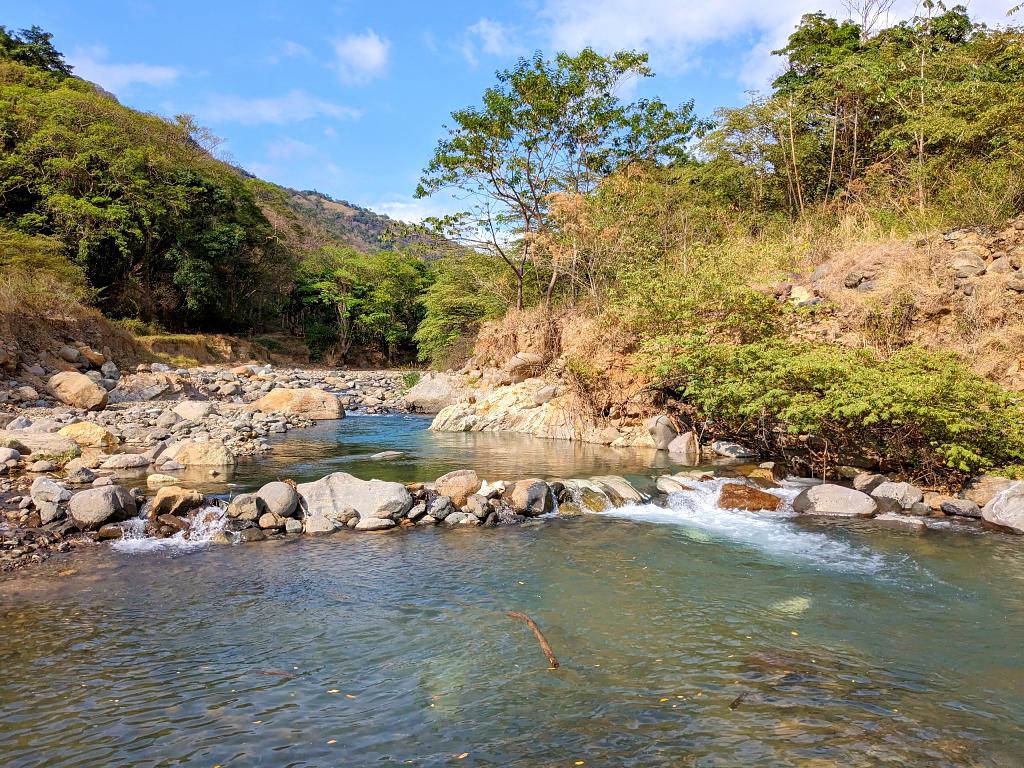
x=349 y=98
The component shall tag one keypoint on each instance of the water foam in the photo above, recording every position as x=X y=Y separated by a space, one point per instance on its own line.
x=774 y=534
x=207 y=521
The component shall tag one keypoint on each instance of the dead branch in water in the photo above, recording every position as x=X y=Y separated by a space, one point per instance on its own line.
x=544 y=646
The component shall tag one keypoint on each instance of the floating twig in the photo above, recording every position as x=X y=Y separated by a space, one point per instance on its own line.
x=734 y=705
x=544 y=646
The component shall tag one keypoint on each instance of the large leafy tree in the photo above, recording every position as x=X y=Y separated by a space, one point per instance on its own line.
x=546 y=126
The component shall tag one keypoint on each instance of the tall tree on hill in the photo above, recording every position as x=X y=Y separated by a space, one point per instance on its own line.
x=547 y=126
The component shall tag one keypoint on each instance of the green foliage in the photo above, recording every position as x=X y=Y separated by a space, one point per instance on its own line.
x=33 y=47
x=343 y=298
x=467 y=290
x=35 y=265
x=923 y=414
x=410 y=379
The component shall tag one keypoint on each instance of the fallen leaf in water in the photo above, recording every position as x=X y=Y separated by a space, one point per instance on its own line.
x=463 y=756
x=256 y=722
x=332 y=741
x=334 y=690
x=67 y=572
x=794 y=633
x=349 y=696
x=578 y=762
x=664 y=699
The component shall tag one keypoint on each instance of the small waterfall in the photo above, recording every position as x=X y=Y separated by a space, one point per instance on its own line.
x=205 y=522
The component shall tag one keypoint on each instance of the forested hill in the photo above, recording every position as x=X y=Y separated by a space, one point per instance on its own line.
x=133 y=213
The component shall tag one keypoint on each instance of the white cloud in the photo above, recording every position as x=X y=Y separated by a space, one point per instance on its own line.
x=675 y=32
x=91 y=64
x=489 y=37
x=292 y=107
x=294 y=50
x=289 y=149
x=361 y=57
x=413 y=210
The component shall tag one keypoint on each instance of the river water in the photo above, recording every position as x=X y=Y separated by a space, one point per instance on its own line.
x=686 y=635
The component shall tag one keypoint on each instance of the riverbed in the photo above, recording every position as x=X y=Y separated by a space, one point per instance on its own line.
x=687 y=635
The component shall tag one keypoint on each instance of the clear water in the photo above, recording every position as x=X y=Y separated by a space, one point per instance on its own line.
x=836 y=645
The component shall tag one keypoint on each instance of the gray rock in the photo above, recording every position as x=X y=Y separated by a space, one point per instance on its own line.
x=967 y=263
x=866 y=482
x=92 y=508
x=333 y=494
x=251 y=534
x=834 y=501
x=960 y=508
x=195 y=410
x=531 y=498
x=982 y=489
x=544 y=394
x=245 y=506
x=47 y=494
x=43 y=465
x=441 y=507
x=685 y=445
x=279 y=498
x=1006 y=509
x=291 y=525
x=318 y=524
x=80 y=476
x=732 y=450
x=125 y=461
x=662 y=431
x=374 y=524
x=478 y=505
x=897 y=520
x=905 y=494
x=461 y=518
x=69 y=353
x=9 y=454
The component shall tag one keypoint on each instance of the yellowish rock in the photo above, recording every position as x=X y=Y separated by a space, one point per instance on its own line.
x=89 y=435
x=309 y=402
x=156 y=480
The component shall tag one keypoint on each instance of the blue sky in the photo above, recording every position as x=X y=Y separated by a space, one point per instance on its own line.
x=349 y=97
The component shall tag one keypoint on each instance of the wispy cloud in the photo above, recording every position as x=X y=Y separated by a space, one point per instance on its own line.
x=360 y=58
x=412 y=210
x=91 y=64
x=489 y=37
x=294 y=106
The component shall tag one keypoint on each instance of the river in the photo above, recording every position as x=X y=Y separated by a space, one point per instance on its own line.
x=686 y=635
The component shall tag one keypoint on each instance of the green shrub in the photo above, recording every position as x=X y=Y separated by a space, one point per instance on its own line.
x=923 y=414
x=410 y=379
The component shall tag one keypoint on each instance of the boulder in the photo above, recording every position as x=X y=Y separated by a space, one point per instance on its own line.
x=156 y=480
x=433 y=392
x=982 y=489
x=458 y=485
x=834 y=501
x=531 y=497
x=89 y=435
x=318 y=524
x=904 y=494
x=40 y=445
x=144 y=387
x=245 y=506
x=78 y=391
x=334 y=495
x=739 y=496
x=47 y=494
x=194 y=410
x=732 y=450
x=279 y=498
x=309 y=403
x=175 y=500
x=967 y=263
x=9 y=454
x=896 y=520
x=866 y=482
x=1006 y=509
x=662 y=431
x=521 y=361
x=960 y=508
x=69 y=353
x=270 y=521
x=685 y=445
x=92 y=508
x=441 y=507
x=670 y=484
x=194 y=454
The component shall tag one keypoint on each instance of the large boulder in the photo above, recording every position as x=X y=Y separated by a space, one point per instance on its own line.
x=739 y=496
x=332 y=496
x=531 y=497
x=686 y=445
x=279 y=498
x=1006 y=509
x=92 y=508
x=310 y=403
x=195 y=454
x=458 y=485
x=732 y=450
x=175 y=500
x=78 y=391
x=433 y=392
x=89 y=435
x=834 y=501
x=144 y=387
x=982 y=489
x=662 y=431
x=126 y=461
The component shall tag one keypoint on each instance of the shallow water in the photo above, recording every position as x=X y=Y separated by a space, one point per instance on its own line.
x=836 y=645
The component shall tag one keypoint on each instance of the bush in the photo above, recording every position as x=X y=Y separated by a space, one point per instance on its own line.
x=410 y=379
x=923 y=414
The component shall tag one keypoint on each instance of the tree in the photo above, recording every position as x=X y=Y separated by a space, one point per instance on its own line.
x=33 y=47
x=547 y=126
